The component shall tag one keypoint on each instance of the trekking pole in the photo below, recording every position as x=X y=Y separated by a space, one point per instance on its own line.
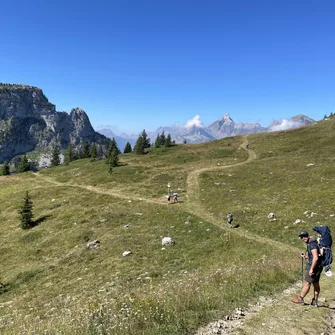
x=302 y=268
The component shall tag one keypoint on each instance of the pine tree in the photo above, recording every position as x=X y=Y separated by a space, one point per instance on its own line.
x=146 y=140
x=114 y=159
x=93 y=153
x=26 y=213
x=86 y=150
x=55 y=159
x=4 y=169
x=167 y=142
x=24 y=166
x=162 y=138
x=184 y=141
x=69 y=154
x=158 y=141
x=112 y=147
x=139 y=146
x=127 y=148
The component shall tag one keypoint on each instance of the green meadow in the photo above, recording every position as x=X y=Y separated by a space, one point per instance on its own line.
x=51 y=283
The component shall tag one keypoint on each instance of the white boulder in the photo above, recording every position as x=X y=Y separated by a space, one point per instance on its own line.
x=167 y=240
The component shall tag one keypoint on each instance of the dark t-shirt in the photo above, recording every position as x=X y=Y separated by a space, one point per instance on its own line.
x=312 y=244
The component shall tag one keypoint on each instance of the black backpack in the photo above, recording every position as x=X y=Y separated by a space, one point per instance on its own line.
x=325 y=242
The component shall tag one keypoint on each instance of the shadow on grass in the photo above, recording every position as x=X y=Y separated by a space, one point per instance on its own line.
x=41 y=219
x=4 y=287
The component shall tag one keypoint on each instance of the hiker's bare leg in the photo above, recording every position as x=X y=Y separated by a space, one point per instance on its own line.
x=305 y=289
x=316 y=290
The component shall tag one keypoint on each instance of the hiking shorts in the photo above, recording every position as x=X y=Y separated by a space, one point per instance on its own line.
x=315 y=278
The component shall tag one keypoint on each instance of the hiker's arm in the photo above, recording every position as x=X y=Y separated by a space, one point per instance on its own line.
x=314 y=261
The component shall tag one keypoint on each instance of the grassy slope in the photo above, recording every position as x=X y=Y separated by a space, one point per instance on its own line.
x=53 y=282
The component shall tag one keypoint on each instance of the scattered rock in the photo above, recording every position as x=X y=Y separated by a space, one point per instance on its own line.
x=93 y=244
x=126 y=253
x=167 y=240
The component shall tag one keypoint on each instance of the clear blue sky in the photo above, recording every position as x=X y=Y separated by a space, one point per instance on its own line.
x=144 y=64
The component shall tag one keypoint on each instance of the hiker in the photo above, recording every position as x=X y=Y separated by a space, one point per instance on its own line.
x=168 y=197
x=247 y=146
x=230 y=220
x=314 y=269
x=175 y=197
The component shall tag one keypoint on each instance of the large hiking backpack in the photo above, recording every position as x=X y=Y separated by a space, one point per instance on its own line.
x=325 y=242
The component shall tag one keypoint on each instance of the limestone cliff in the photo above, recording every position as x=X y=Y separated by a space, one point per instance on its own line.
x=28 y=121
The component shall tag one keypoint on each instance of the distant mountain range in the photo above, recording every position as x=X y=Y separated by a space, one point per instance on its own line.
x=195 y=132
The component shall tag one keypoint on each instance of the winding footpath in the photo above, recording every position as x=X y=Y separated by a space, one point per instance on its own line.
x=275 y=315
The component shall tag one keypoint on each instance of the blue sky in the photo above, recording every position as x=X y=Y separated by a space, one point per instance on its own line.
x=143 y=64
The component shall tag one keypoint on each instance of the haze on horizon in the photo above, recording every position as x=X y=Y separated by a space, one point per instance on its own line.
x=144 y=64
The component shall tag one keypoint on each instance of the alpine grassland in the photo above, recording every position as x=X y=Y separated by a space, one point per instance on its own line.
x=51 y=283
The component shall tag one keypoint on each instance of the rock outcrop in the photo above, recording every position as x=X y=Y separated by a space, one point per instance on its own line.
x=28 y=122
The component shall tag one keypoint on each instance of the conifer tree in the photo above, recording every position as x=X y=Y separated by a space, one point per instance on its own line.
x=4 y=171
x=112 y=147
x=86 y=150
x=146 y=140
x=167 y=142
x=26 y=212
x=184 y=141
x=158 y=141
x=69 y=154
x=24 y=166
x=127 y=148
x=139 y=146
x=114 y=159
x=93 y=153
x=55 y=159
x=162 y=138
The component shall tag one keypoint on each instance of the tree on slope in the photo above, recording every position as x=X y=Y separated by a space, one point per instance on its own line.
x=69 y=154
x=127 y=148
x=93 y=153
x=26 y=212
x=113 y=161
x=146 y=140
x=24 y=166
x=139 y=146
x=4 y=171
x=112 y=147
x=86 y=149
x=55 y=159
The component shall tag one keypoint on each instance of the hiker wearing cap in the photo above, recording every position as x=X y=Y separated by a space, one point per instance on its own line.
x=314 y=269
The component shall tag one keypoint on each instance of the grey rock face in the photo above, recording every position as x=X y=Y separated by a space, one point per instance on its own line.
x=28 y=121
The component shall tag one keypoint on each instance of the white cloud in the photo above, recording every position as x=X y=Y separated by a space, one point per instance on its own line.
x=194 y=122
x=285 y=124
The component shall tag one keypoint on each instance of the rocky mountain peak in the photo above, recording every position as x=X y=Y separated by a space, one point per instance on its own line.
x=28 y=121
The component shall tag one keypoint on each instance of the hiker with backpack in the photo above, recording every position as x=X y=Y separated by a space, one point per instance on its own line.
x=314 y=268
x=230 y=220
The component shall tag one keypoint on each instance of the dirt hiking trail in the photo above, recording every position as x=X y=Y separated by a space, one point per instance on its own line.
x=271 y=315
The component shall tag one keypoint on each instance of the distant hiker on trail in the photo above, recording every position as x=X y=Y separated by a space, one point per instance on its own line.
x=247 y=146
x=230 y=220
x=175 y=197
x=168 y=197
x=314 y=269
